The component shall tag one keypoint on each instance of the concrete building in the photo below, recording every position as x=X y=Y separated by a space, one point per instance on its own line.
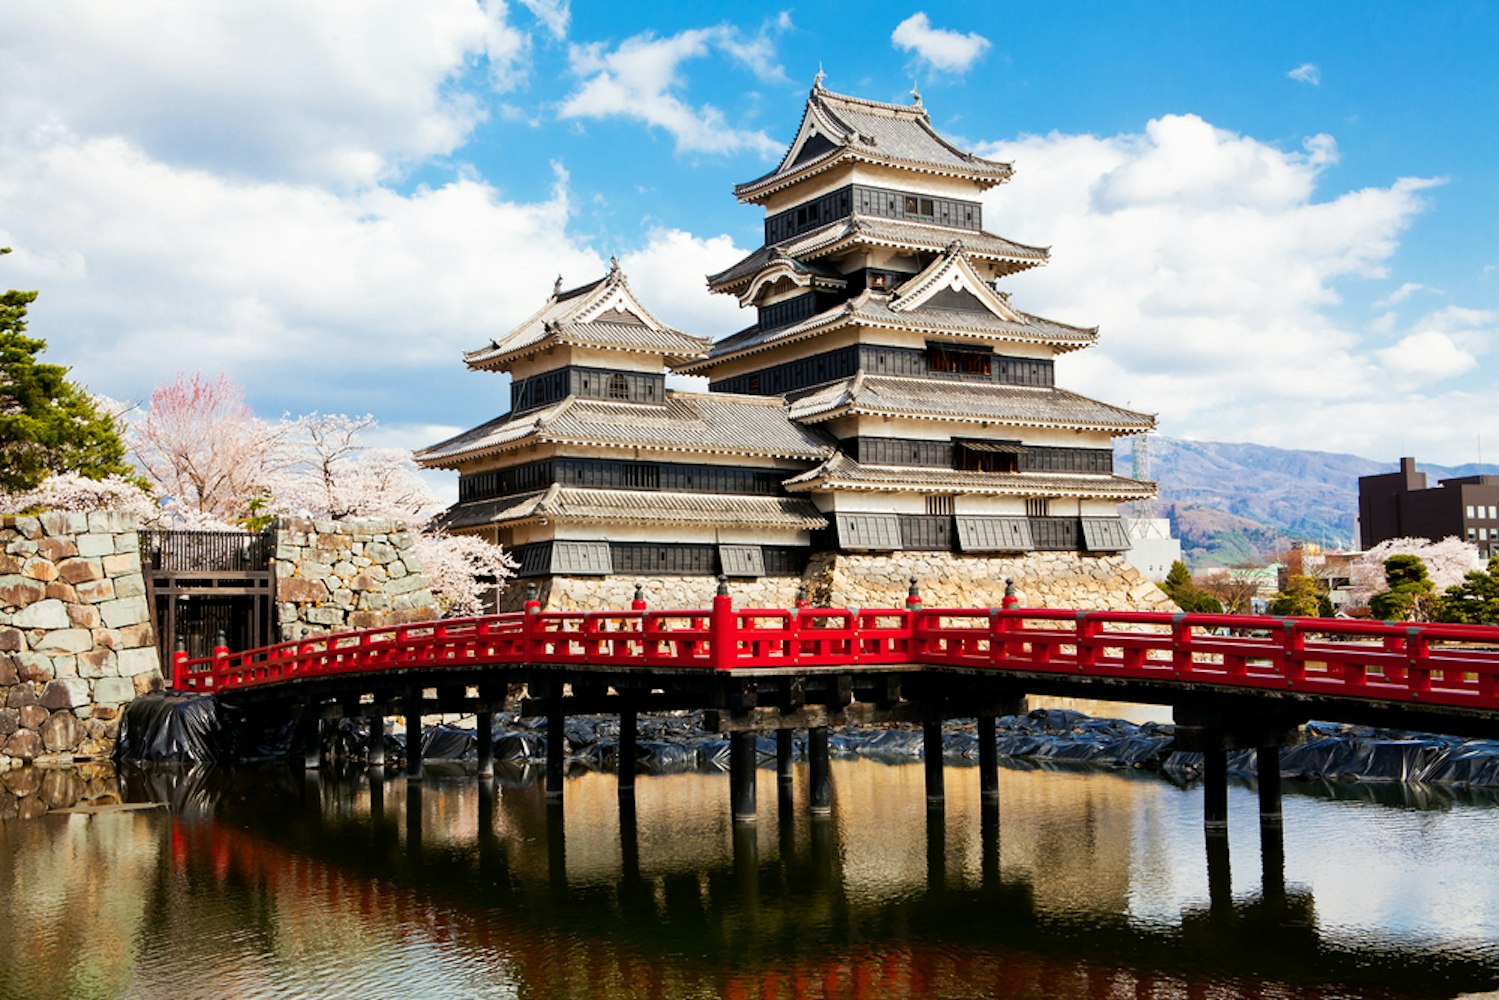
x=1401 y=505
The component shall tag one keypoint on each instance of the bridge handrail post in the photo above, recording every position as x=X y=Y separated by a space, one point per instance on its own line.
x=220 y=659
x=1418 y=651
x=1085 y=630
x=1292 y=644
x=1181 y=644
x=530 y=626
x=722 y=628
x=179 y=666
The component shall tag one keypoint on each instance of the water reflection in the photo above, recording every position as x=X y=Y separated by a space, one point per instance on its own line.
x=1073 y=884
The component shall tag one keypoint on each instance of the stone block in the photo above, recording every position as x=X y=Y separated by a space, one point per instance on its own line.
x=58 y=522
x=23 y=744
x=63 y=665
x=111 y=521
x=84 y=615
x=344 y=569
x=37 y=568
x=411 y=561
x=20 y=696
x=301 y=525
x=61 y=694
x=96 y=591
x=32 y=716
x=28 y=526
x=364 y=581
x=48 y=614
x=300 y=591
x=98 y=663
x=12 y=640
x=56 y=549
x=109 y=638
x=374 y=600
x=325 y=527
x=133 y=662
x=59 y=591
x=402 y=540
x=10 y=721
x=316 y=571
x=137 y=635
x=125 y=611
x=65 y=640
x=60 y=732
x=8 y=673
x=367 y=619
x=396 y=570
x=343 y=598
x=113 y=690
x=106 y=713
x=33 y=668
x=122 y=563
x=147 y=682
x=130 y=585
x=381 y=552
x=128 y=543
x=80 y=569
x=22 y=548
x=10 y=565
x=19 y=591
x=96 y=544
x=325 y=616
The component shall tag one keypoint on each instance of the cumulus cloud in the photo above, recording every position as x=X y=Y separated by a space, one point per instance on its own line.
x=1424 y=356
x=1215 y=273
x=641 y=77
x=348 y=91
x=1307 y=73
x=940 y=48
x=1402 y=293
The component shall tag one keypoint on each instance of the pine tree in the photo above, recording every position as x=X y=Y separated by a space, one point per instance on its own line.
x=1475 y=601
x=1410 y=595
x=48 y=424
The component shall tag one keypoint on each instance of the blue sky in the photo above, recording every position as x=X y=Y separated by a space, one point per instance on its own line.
x=1280 y=215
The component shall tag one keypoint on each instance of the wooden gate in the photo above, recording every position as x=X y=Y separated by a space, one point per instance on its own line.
x=204 y=583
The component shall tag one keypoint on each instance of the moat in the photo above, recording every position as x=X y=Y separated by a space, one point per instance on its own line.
x=1087 y=883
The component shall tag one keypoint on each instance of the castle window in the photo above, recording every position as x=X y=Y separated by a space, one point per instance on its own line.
x=987 y=456
x=957 y=359
x=618 y=387
x=1038 y=507
x=939 y=505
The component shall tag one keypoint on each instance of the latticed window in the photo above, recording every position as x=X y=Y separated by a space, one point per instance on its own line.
x=1038 y=507
x=618 y=387
x=939 y=505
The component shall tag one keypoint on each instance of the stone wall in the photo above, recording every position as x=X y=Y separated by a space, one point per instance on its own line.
x=75 y=634
x=945 y=579
x=333 y=576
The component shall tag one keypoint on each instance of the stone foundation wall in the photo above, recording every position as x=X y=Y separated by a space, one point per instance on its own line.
x=945 y=579
x=333 y=576
x=75 y=634
x=951 y=580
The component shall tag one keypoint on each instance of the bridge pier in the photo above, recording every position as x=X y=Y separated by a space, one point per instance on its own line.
x=556 y=748
x=931 y=742
x=414 y=735
x=375 y=745
x=742 y=775
x=484 y=726
x=625 y=765
x=1267 y=769
x=819 y=772
x=785 y=752
x=1215 y=791
x=1213 y=731
x=988 y=760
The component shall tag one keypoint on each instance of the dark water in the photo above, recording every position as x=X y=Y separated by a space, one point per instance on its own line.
x=276 y=884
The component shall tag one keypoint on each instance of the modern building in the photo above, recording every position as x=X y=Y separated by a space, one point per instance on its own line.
x=1152 y=549
x=888 y=404
x=1401 y=505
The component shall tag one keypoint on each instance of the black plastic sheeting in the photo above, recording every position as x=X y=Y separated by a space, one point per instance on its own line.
x=171 y=727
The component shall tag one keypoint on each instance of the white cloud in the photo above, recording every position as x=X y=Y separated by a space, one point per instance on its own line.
x=344 y=91
x=940 y=48
x=1424 y=356
x=1215 y=273
x=670 y=274
x=1307 y=73
x=638 y=80
x=1402 y=293
x=555 y=15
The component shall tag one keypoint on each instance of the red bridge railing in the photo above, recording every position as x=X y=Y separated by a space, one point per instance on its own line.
x=1448 y=665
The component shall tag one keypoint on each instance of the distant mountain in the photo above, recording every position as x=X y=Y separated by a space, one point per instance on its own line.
x=1231 y=503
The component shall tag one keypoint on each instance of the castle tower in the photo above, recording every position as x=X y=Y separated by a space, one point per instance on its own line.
x=879 y=320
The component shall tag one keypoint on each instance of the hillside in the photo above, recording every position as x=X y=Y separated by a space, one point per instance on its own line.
x=1230 y=502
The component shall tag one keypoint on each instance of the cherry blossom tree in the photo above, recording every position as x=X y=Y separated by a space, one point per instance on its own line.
x=462 y=570
x=201 y=446
x=1447 y=562
x=334 y=475
x=73 y=492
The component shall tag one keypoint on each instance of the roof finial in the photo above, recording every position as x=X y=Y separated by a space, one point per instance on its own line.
x=817 y=80
x=915 y=94
x=613 y=264
x=557 y=287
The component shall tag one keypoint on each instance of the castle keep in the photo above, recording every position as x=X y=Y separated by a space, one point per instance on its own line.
x=889 y=413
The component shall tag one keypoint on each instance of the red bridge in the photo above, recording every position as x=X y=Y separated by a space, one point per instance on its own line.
x=1232 y=681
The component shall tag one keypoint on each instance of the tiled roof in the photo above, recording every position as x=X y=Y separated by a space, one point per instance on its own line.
x=941 y=399
x=701 y=422
x=896 y=134
x=579 y=317
x=859 y=228
x=580 y=504
x=842 y=472
x=873 y=309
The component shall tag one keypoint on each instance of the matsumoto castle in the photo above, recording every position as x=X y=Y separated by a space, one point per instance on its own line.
x=888 y=412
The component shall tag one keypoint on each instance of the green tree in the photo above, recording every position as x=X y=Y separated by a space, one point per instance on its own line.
x=1302 y=598
x=1187 y=595
x=48 y=424
x=1410 y=595
x=1475 y=601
